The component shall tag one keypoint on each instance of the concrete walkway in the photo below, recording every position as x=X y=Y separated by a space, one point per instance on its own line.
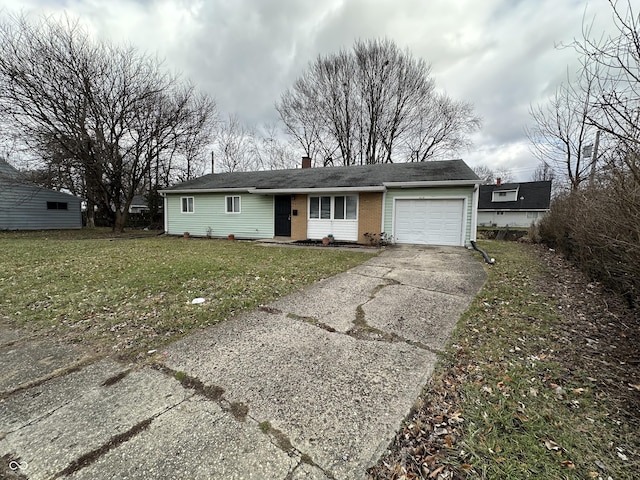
x=312 y=386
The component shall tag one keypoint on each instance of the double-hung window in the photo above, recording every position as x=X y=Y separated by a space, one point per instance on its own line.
x=186 y=204
x=232 y=204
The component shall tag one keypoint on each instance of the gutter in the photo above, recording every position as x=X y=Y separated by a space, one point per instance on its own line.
x=204 y=190
x=431 y=183
x=275 y=191
x=293 y=191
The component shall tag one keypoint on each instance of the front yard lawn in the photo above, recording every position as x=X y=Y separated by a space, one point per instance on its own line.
x=133 y=294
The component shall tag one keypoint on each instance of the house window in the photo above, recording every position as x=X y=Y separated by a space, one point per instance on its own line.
x=232 y=204
x=344 y=207
x=499 y=213
x=57 y=206
x=505 y=196
x=320 y=207
x=187 y=204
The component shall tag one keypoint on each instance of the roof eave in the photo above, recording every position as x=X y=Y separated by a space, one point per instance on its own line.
x=205 y=190
x=431 y=183
x=293 y=191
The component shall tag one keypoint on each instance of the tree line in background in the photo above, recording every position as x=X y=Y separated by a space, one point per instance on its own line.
x=590 y=133
x=106 y=122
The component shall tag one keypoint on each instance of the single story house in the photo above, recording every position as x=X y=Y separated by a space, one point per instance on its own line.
x=432 y=203
x=513 y=204
x=138 y=205
x=25 y=206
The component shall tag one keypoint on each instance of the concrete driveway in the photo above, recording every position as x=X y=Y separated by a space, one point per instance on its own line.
x=312 y=386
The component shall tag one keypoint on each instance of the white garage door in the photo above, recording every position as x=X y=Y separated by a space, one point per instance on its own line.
x=429 y=222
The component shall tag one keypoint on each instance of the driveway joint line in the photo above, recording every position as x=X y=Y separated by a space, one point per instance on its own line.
x=61 y=372
x=114 y=442
x=41 y=417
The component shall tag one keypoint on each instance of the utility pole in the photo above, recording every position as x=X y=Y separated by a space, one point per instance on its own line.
x=594 y=159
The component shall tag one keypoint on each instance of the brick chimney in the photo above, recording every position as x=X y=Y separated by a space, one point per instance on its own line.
x=498 y=181
x=306 y=162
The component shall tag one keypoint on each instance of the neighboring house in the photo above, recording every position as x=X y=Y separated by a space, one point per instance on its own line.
x=513 y=204
x=25 y=206
x=431 y=203
x=138 y=205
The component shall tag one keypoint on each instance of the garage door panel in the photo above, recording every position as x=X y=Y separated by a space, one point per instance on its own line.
x=429 y=221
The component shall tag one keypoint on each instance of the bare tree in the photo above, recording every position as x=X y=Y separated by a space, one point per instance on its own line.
x=489 y=176
x=614 y=64
x=104 y=114
x=271 y=151
x=563 y=134
x=543 y=172
x=373 y=104
x=440 y=126
x=234 y=147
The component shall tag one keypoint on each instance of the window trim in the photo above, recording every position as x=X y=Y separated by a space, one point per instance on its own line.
x=332 y=207
x=193 y=205
x=226 y=204
x=501 y=196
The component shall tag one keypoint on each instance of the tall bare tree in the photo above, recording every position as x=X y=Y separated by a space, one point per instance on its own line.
x=563 y=134
x=373 y=104
x=105 y=113
x=614 y=63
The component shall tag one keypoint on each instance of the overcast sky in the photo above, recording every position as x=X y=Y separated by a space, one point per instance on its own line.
x=500 y=55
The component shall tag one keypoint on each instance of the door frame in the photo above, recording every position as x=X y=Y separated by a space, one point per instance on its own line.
x=277 y=233
x=465 y=211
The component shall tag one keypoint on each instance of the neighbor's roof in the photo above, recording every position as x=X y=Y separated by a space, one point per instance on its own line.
x=7 y=171
x=357 y=176
x=531 y=196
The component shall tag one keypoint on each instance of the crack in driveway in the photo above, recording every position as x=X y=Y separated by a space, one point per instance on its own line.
x=115 y=441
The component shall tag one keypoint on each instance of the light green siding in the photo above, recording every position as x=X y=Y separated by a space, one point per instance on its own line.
x=456 y=192
x=255 y=219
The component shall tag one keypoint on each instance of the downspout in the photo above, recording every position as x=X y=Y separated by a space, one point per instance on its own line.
x=486 y=257
x=474 y=215
x=166 y=212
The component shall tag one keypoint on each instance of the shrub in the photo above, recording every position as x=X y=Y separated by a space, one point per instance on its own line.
x=598 y=229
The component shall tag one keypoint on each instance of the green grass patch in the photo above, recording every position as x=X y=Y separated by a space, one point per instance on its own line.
x=528 y=413
x=135 y=293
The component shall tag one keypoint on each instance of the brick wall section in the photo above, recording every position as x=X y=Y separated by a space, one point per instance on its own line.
x=369 y=215
x=299 y=222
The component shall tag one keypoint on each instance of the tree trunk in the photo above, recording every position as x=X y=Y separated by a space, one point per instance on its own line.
x=91 y=218
x=120 y=221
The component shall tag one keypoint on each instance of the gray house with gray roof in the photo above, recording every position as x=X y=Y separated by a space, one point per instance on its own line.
x=25 y=206
x=431 y=203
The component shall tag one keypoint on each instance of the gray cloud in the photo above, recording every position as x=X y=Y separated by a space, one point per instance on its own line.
x=498 y=54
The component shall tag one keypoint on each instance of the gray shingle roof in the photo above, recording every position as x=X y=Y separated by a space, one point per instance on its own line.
x=537 y=196
x=334 y=177
x=7 y=171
